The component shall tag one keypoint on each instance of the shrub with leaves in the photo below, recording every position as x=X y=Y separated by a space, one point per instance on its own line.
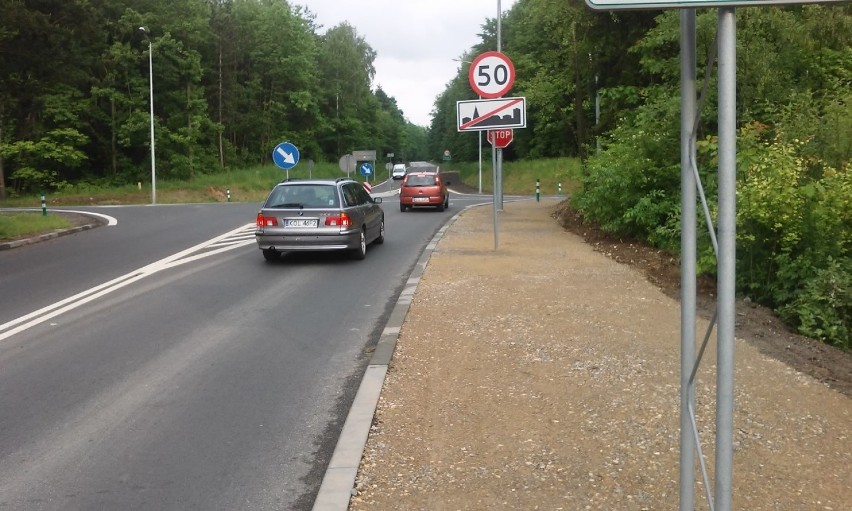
x=794 y=233
x=631 y=188
x=823 y=307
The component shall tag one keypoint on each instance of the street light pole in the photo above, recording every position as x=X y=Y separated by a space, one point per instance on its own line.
x=151 y=102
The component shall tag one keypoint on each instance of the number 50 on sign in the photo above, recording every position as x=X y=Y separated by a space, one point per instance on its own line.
x=491 y=75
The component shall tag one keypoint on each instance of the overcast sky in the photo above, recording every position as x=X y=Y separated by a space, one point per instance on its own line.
x=415 y=42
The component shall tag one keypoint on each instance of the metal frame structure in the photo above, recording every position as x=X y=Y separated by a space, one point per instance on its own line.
x=724 y=245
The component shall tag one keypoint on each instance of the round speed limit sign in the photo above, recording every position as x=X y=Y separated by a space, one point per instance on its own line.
x=491 y=74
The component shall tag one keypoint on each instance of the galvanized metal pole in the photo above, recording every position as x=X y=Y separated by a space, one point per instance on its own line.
x=479 y=134
x=499 y=20
x=500 y=179
x=494 y=171
x=727 y=257
x=687 y=256
x=151 y=102
x=499 y=185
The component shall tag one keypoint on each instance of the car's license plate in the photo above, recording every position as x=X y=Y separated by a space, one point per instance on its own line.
x=300 y=222
x=421 y=199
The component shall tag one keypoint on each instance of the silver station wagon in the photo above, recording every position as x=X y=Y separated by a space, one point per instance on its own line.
x=319 y=215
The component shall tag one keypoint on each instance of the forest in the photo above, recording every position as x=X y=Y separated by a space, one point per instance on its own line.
x=233 y=77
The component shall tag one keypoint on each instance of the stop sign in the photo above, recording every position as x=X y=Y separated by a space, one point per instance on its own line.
x=500 y=139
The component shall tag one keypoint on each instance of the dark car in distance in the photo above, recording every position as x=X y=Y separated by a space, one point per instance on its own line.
x=319 y=215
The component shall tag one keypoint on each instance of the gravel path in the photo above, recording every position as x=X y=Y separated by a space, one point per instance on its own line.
x=544 y=375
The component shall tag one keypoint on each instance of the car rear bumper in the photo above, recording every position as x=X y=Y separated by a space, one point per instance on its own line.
x=307 y=242
x=421 y=200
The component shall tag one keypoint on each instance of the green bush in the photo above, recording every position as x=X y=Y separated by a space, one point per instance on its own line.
x=794 y=233
x=823 y=308
x=632 y=187
x=794 y=215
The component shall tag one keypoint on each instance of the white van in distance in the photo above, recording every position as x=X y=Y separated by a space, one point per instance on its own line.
x=398 y=171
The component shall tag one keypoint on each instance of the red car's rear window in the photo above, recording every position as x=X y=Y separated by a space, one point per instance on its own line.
x=420 y=180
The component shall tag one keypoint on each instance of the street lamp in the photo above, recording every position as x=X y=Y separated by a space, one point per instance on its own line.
x=479 y=134
x=151 y=101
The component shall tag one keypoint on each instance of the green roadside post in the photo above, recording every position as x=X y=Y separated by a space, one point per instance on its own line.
x=43 y=205
x=229 y=194
x=538 y=190
x=560 y=189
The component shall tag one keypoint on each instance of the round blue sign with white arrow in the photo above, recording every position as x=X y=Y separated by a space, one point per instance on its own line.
x=366 y=169
x=285 y=155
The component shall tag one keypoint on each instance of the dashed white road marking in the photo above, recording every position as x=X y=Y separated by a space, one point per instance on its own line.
x=236 y=238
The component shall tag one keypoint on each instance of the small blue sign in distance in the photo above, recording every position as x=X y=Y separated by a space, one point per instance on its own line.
x=285 y=155
x=366 y=169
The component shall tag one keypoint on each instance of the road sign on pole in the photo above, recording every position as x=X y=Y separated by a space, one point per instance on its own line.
x=491 y=74
x=347 y=163
x=364 y=155
x=285 y=155
x=366 y=169
x=488 y=114
x=500 y=139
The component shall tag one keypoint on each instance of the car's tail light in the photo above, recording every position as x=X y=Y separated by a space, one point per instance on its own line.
x=341 y=220
x=266 y=221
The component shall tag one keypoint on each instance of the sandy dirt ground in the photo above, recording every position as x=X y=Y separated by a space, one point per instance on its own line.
x=545 y=375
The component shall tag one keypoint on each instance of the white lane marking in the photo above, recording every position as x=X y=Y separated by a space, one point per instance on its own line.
x=110 y=220
x=32 y=319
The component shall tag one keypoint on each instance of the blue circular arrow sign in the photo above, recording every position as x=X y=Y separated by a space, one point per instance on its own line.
x=366 y=169
x=285 y=155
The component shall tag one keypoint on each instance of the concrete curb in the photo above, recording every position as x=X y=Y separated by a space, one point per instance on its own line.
x=48 y=236
x=339 y=479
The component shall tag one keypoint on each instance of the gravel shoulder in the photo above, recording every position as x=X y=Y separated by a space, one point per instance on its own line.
x=545 y=375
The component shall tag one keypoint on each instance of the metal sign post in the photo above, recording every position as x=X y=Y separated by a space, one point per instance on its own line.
x=688 y=256
x=725 y=245
x=491 y=75
x=285 y=156
x=727 y=257
x=347 y=164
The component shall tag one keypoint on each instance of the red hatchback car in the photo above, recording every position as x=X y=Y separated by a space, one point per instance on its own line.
x=423 y=188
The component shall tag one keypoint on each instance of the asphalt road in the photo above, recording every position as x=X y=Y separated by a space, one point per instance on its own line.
x=162 y=364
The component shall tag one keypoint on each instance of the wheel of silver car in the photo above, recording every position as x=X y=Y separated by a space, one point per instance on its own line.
x=361 y=251
x=381 y=238
x=271 y=255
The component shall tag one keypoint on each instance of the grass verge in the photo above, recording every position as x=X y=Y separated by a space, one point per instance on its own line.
x=16 y=225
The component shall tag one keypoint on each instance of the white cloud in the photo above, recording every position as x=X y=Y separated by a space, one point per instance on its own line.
x=415 y=42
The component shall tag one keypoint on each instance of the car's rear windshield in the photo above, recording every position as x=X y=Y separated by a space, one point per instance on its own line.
x=303 y=195
x=420 y=180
